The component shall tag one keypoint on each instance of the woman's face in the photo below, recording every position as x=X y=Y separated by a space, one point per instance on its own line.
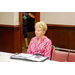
x=39 y=32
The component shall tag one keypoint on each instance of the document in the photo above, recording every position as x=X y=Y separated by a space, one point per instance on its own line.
x=37 y=58
x=20 y=56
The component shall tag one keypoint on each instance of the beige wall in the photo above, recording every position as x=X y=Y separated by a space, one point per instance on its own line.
x=65 y=18
x=16 y=18
x=9 y=18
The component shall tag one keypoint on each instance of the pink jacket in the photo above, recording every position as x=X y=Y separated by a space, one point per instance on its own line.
x=43 y=48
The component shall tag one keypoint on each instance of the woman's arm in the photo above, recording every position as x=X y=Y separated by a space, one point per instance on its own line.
x=31 y=15
x=29 y=47
x=48 y=49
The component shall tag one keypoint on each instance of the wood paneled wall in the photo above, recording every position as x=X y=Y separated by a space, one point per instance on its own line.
x=10 y=38
x=62 y=36
x=37 y=16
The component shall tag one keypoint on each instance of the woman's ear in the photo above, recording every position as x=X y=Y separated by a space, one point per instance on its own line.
x=44 y=32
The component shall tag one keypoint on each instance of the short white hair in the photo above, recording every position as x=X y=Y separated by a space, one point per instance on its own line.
x=42 y=25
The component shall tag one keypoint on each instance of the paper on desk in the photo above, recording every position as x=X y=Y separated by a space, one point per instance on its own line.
x=34 y=58
x=5 y=57
x=25 y=55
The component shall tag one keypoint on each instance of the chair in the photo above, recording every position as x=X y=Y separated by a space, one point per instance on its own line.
x=59 y=56
x=53 y=48
x=71 y=57
x=71 y=54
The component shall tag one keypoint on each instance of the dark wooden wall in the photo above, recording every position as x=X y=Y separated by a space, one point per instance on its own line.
x=9 y=38
x=62 y=36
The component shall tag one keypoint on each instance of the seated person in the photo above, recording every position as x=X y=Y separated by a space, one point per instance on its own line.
x=40 y=44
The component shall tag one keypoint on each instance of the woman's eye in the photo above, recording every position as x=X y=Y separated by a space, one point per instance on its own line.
x=38 y=30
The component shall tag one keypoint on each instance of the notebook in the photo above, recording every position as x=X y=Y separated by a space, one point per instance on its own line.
x=29 y=57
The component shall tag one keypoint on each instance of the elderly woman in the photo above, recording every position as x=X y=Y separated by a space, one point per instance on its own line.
x=40 y=44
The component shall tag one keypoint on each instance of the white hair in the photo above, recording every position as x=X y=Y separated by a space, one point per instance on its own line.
x=42 y=25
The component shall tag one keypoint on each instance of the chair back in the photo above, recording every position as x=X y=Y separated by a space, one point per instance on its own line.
x=53 y=48
x=59 y=56
x=71 y=57
x=63 y=55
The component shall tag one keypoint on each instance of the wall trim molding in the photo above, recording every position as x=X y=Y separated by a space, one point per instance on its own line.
x=12 y=26
x=15 y=27
x=60 y=25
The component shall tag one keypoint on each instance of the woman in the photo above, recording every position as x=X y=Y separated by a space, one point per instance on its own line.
x=25 y=15
x=40 y=44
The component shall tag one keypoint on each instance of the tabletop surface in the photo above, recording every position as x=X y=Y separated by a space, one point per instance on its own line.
x=5 y=57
